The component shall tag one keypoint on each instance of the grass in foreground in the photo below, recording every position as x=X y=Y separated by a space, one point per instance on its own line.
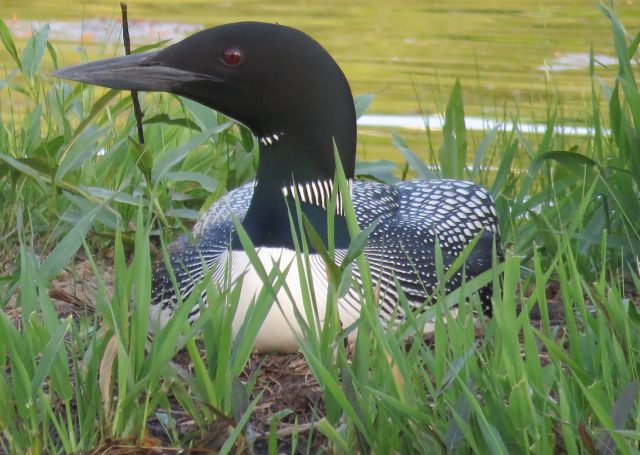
x=513 y=385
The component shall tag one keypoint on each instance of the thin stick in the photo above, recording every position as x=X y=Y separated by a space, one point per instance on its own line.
x=301 y=428
x=134 y=94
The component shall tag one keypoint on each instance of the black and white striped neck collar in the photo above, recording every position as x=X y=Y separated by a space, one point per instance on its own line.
x=271 y=138
x=317 y=192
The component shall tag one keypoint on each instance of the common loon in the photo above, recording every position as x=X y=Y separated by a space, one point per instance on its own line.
x=289 y=91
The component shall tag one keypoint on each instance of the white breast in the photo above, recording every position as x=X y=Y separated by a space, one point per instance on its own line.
x=280 y=330
x=280 y=324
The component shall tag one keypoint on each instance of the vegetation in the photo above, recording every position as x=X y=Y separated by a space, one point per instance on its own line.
x=73 y=178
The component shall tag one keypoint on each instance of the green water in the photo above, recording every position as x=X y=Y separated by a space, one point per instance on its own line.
x=409 y=53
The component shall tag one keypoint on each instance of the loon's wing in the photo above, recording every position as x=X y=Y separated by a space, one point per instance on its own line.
x=233 y=204
x=192 y=257
x=411 y=216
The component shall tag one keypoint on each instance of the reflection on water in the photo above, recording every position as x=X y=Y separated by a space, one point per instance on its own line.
x=104 y=31
x=436 y=122
x=577 y=61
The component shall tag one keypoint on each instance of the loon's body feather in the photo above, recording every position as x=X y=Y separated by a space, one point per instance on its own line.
x=409 y=217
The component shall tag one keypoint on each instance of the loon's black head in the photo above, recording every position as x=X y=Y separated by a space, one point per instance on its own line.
x=276 y=80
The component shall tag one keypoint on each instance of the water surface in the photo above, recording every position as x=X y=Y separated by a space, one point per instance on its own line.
x=511 y=57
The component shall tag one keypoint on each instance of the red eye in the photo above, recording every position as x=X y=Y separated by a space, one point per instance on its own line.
x=231 y=56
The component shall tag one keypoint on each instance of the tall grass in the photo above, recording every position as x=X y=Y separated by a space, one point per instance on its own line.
x=74 y=179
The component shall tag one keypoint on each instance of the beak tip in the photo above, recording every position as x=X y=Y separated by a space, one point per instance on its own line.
x=63 y=73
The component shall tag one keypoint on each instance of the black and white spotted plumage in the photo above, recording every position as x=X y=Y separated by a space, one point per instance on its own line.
x=410 y=217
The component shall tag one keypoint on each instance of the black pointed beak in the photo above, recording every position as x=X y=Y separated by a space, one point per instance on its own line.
x=141 y=72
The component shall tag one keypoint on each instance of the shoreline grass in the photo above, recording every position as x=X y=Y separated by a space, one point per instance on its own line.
x=556 y=370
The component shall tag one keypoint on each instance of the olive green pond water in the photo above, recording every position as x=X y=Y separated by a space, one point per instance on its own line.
x=510 y=56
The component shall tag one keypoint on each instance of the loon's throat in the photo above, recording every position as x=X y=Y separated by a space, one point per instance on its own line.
x=273 y=207
x=293 y=157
